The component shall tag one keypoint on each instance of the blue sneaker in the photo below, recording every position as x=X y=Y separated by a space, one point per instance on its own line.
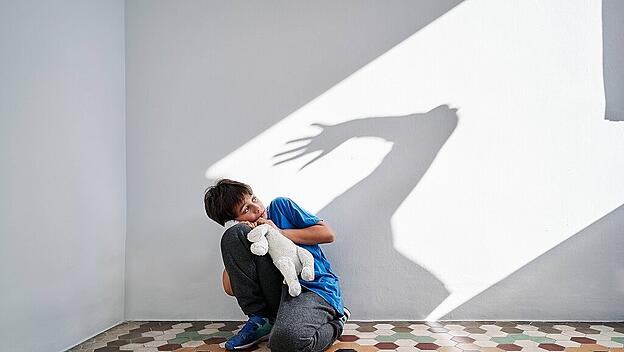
x=255 y=330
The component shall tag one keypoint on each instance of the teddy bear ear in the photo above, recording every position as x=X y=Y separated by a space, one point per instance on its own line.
x=230 y=223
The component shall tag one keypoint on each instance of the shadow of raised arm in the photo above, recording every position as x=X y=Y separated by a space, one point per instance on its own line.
x=390 y=128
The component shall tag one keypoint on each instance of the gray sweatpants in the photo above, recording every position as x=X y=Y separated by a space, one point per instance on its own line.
x=303 y=323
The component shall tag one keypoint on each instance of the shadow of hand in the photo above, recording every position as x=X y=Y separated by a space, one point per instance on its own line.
x=329 y=139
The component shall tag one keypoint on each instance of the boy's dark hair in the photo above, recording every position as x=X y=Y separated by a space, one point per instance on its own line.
x=222 y=199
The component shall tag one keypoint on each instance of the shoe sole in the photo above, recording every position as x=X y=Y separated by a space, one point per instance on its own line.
x=263 y=338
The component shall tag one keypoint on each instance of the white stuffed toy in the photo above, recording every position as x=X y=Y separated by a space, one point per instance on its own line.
x=290 y=259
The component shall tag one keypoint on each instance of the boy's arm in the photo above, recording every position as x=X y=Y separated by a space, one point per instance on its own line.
x=315 y=234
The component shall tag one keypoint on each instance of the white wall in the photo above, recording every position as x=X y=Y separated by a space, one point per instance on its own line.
x=431 y=209
x=62 y=151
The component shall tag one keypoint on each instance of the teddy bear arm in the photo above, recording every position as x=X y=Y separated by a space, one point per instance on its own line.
x=261 y=247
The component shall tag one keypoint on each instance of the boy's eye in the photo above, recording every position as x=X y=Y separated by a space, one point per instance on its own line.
x=254 y=199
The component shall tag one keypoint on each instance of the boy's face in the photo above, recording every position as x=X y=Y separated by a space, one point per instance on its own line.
x=251 y=209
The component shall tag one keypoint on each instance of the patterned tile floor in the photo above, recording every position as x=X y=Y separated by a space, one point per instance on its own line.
x=376 y=336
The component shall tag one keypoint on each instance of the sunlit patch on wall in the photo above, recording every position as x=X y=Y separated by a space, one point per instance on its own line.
x=531 y=162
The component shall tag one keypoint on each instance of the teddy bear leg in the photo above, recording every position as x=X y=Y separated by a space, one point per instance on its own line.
x=286 y=266
x=307 y=261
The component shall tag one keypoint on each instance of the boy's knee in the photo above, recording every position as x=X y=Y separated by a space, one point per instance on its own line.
x=234 y=236
x=289 y=338
x=239 y=228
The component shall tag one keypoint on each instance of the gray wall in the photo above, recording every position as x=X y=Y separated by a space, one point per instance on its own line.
x=62 y=151
x=202 y=79
x=613 y=55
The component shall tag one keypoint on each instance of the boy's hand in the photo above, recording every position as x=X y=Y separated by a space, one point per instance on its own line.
x=262 y=221
x=250 y=224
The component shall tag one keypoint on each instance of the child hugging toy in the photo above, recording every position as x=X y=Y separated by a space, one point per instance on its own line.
x=290 y=259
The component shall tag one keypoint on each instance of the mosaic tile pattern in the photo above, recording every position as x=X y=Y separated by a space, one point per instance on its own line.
x=375 y=336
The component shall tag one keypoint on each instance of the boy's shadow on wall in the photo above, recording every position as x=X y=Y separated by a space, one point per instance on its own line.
x=361 y=215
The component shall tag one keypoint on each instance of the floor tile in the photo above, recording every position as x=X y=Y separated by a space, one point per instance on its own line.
x=462 y=336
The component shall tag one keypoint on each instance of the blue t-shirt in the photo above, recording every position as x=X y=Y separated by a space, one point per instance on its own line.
x=286 y=214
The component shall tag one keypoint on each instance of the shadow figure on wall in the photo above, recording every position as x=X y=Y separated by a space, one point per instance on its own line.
x=372 y=271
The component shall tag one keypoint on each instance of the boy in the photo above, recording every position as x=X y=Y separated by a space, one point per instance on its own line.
x=311 y=321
